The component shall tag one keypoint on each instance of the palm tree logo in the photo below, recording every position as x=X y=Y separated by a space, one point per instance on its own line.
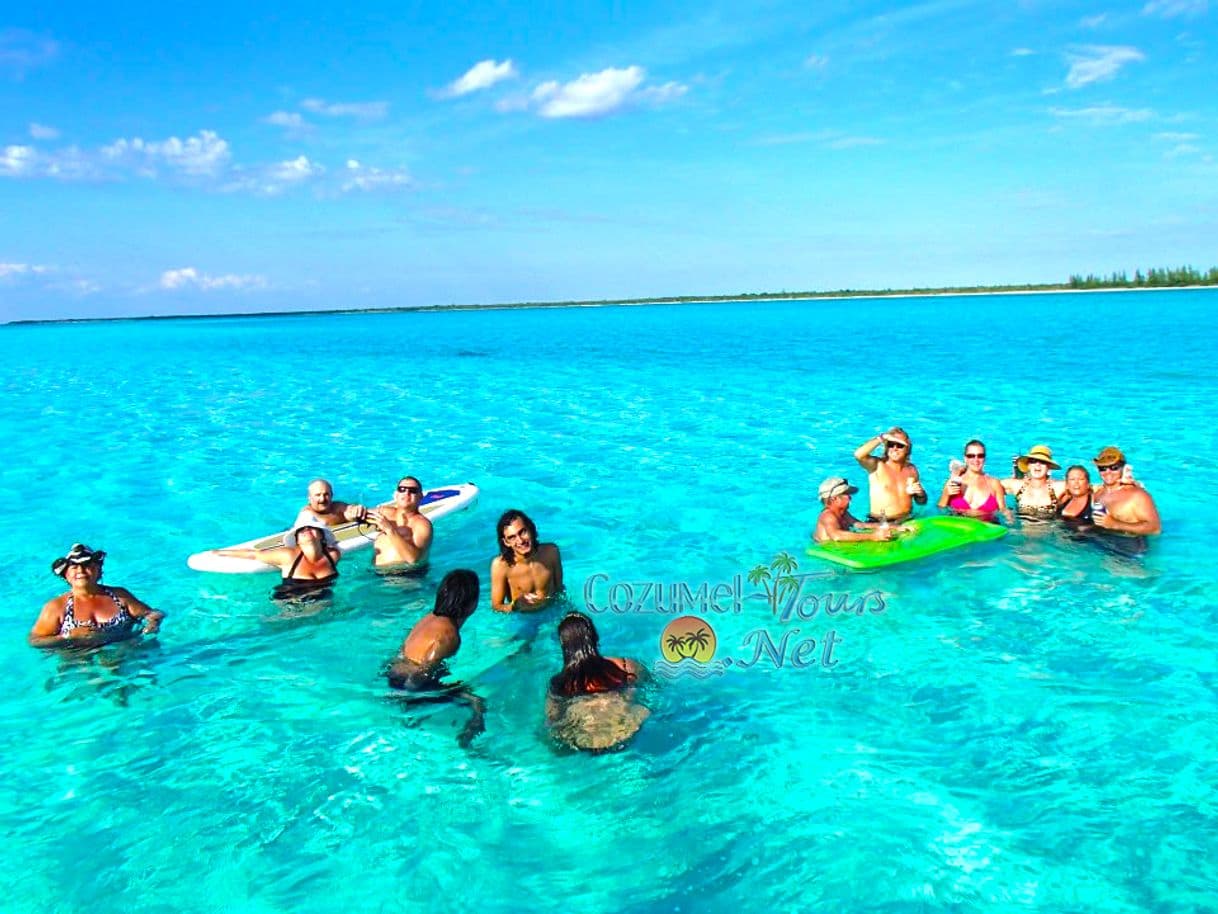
x=688 y=638
x=776 y=580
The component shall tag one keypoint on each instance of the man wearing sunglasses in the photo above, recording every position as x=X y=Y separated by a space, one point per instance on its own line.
x=404 y=540
x=1118 y=504
x=892 y=480
x=323 y=510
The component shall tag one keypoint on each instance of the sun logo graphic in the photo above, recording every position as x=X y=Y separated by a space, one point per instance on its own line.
x=687 y=648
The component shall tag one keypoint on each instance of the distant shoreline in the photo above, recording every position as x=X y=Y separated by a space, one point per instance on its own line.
x=840 y=295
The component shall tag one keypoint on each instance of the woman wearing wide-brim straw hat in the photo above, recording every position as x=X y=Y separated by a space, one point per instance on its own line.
x=1036 y=494
x=90 y=613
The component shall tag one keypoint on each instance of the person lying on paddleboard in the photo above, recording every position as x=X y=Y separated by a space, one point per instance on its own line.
x=893 y=480
x=308 y=560
x=90 y=613
x=419 y=665
x=526 y=574
x=404 y=541
x=837 y=525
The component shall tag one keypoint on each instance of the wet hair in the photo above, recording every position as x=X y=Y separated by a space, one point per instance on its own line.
x=416 y=480
x=584 y=670
x=457 y=596
x=506 y=518
x=981 y=444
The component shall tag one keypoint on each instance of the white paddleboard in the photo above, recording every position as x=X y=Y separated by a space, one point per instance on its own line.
x=351 y=536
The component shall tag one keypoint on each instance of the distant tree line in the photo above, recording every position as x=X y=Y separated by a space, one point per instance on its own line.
x=1154 y=277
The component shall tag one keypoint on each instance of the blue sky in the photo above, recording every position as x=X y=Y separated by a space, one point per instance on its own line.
x=228 y=159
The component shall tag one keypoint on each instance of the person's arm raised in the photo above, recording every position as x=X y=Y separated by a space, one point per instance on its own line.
x=867 y=460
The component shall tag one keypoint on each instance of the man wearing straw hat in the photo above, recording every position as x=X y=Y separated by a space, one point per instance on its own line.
x=1119 y=504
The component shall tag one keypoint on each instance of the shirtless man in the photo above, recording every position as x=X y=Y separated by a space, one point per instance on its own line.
x=836 y=524
x=434 y=638
x=405 y=537
x=524 y=567
x=437 y=636
x=893 y=481
x=1120 y=505
x=322 y=507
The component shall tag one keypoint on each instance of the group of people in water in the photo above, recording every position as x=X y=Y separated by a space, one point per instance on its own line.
x=589 y=704
x=1117 y=504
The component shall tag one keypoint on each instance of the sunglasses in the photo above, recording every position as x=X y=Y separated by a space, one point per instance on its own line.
x=980 y=456
x=1110 y=467
x=417 y=490
x=896 y=445
x=1033 y=460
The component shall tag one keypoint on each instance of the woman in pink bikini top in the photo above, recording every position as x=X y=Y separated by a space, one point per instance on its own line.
x=970 y=491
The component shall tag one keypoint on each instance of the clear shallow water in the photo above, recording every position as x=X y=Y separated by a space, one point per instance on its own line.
x=1028 y=725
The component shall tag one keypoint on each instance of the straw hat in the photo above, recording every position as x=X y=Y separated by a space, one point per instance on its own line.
x=1037 y=452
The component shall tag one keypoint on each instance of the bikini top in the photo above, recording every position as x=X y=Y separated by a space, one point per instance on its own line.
x=70 y=622
x=291 y=575
x=1040 y=512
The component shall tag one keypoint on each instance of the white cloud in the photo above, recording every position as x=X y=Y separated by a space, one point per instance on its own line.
x=190 y=278
x=203 y=155
x=365 y=178
x=816 y=62
x=43 y=132
x=270 y=180
x=1023 y=52
x=1168 y=136
x=18 y=270
x=294 y=170
x=291 y=120
x=22 y=50
x=482 y=75
x=596 y=94
x=17 y=161
x=853 y=142
x=204 y=161
x=1104 y=115
x=1093 y=22
x=364 y=111
x=1099 y=63
x=1169 y=9
x=829 y=139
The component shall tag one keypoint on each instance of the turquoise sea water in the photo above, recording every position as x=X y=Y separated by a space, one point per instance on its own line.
x=1028 y=725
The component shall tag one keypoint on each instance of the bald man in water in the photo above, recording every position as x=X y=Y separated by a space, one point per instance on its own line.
x=322 y=507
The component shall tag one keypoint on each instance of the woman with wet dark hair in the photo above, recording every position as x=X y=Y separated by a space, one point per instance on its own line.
x=584 y=670
x=590 y=703
x=90 y=613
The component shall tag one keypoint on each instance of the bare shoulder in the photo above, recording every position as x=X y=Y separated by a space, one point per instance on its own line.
x=547 y=552
x=56 y=604
x=498 y=565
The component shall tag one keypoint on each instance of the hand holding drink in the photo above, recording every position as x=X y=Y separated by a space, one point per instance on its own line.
x=955 y=482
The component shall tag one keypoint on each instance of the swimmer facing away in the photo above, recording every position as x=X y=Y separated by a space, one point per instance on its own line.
x=419 y=665
x=590 y=703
